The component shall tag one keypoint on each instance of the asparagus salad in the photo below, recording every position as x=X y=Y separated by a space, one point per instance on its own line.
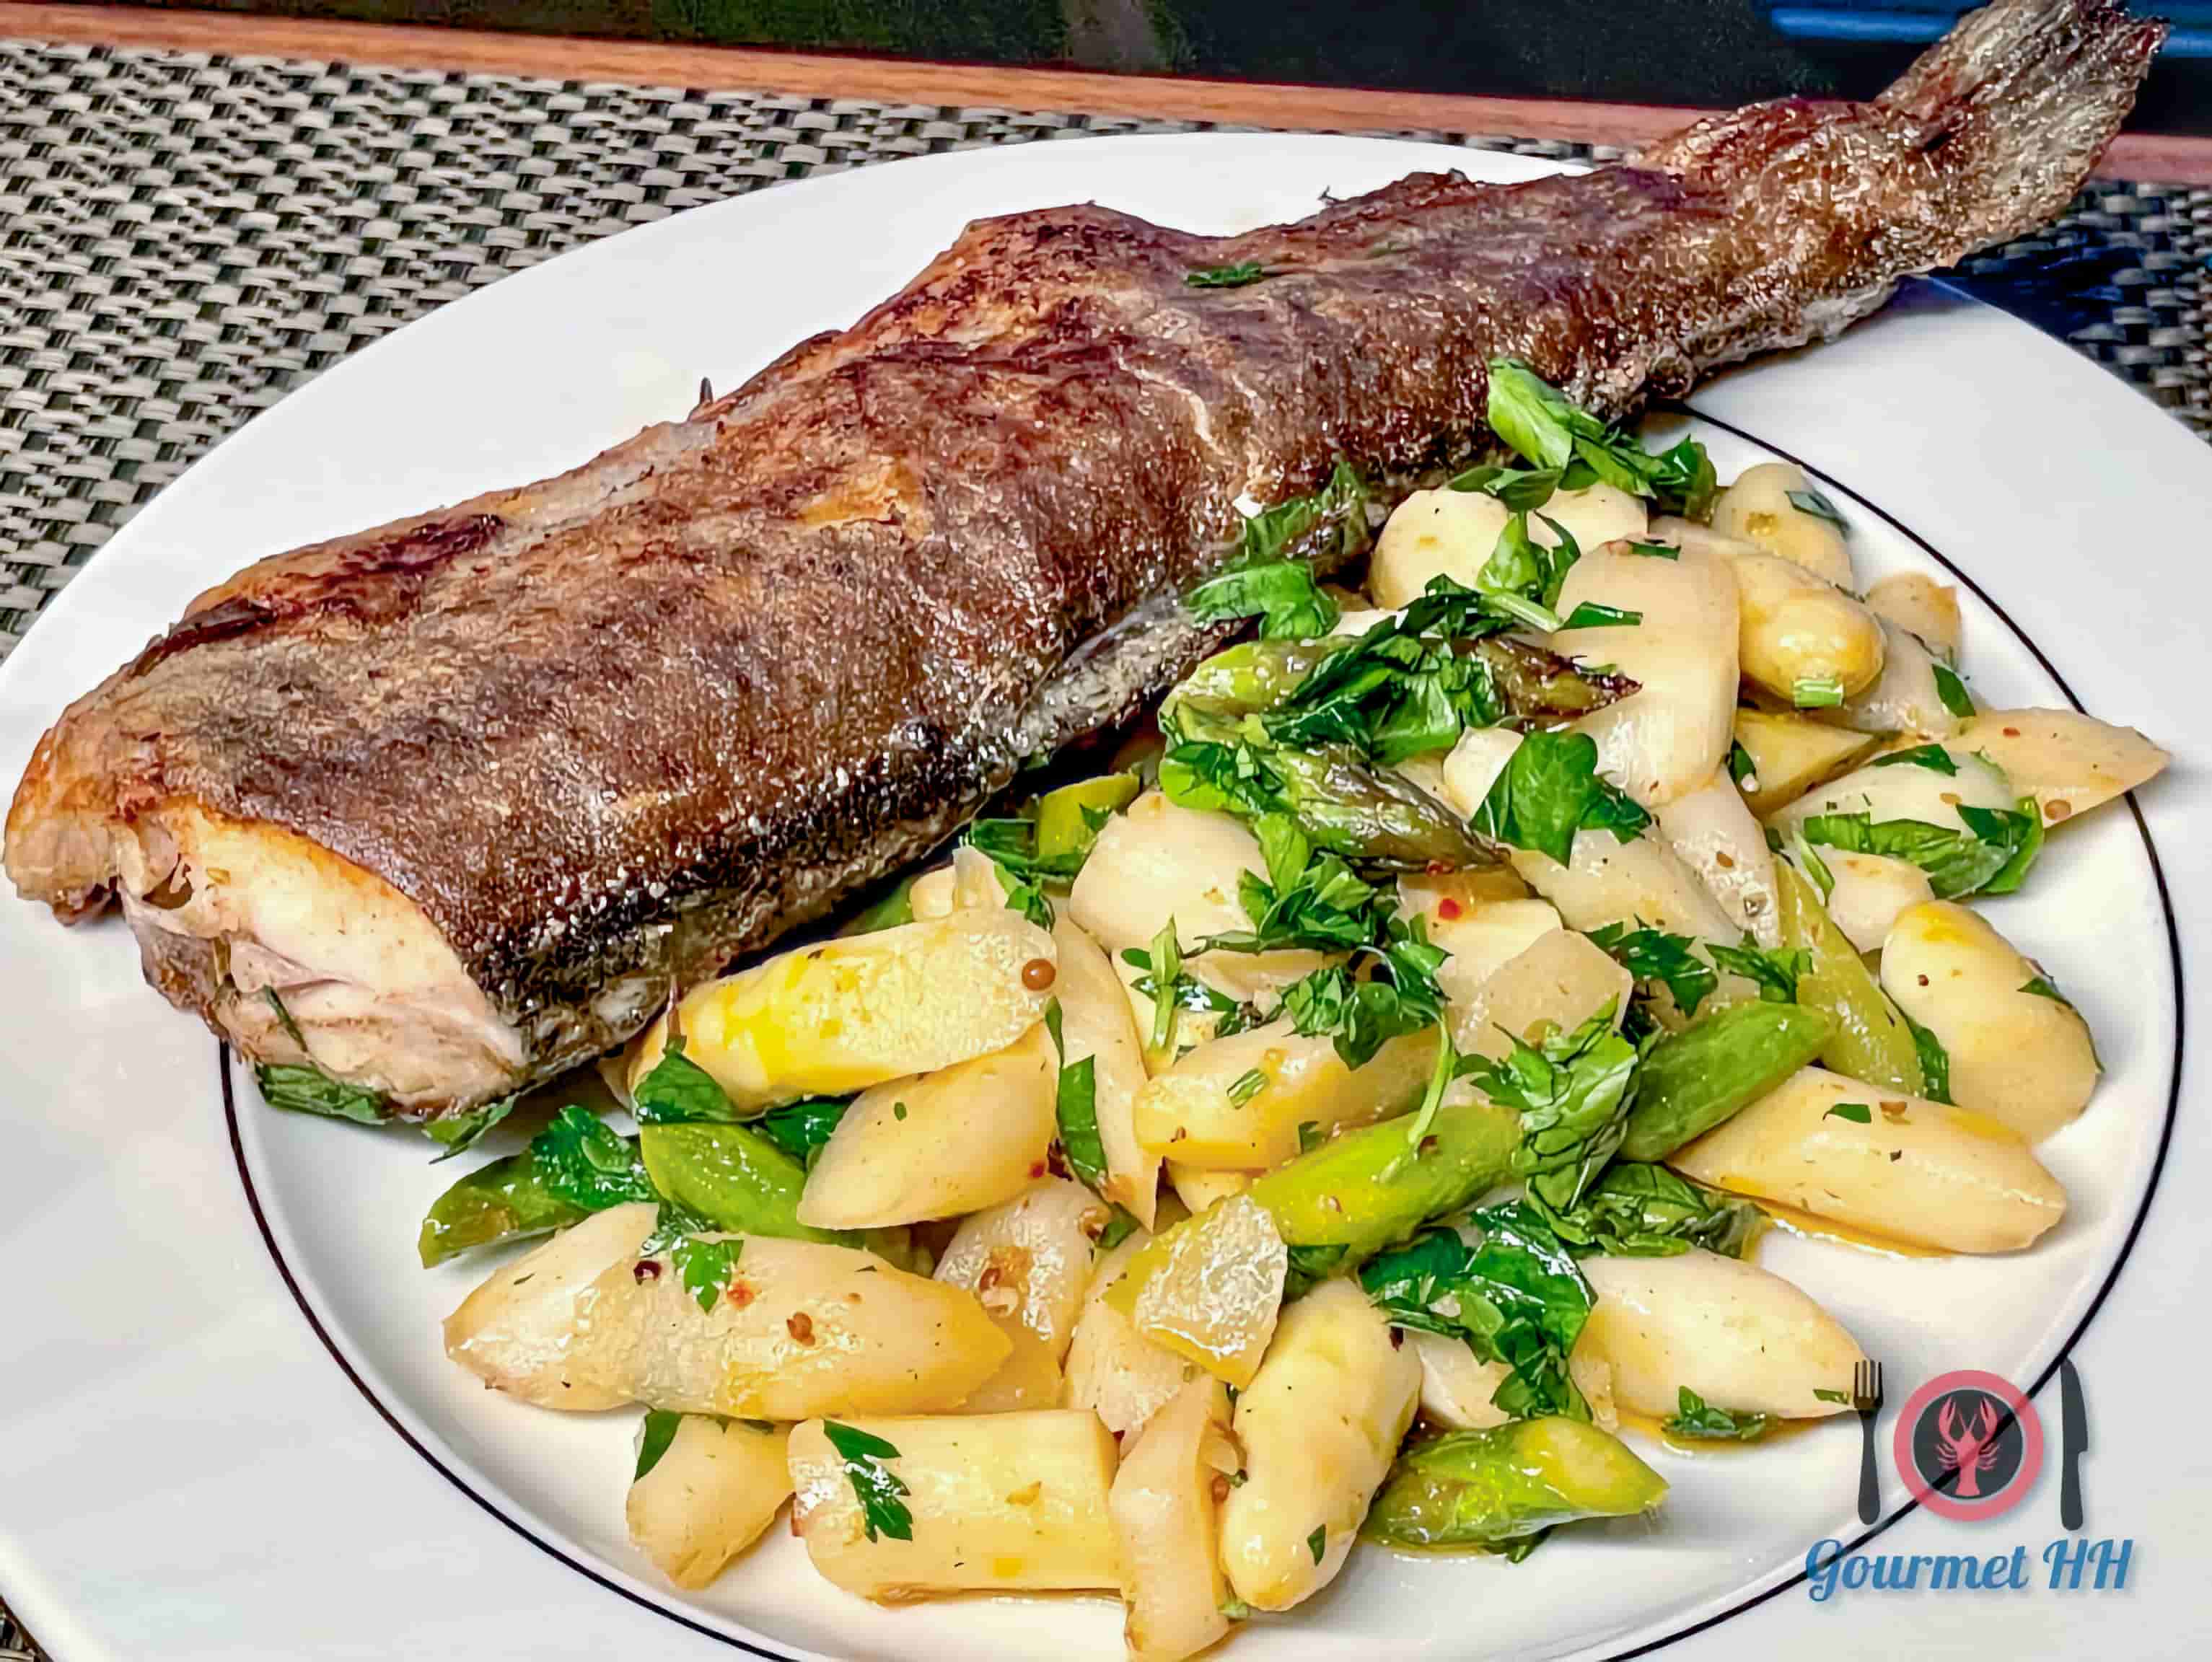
x=1351 y=1120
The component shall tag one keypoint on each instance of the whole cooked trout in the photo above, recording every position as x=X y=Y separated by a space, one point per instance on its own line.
x=473 y=791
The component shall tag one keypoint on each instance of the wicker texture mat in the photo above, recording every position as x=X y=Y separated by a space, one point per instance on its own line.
x=187 y=239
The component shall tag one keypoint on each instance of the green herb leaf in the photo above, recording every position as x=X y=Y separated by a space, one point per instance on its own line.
x=1640 y=1210
x=1520 y=489
x=1282 y=594
x=1934 y=757
x=706 y=1266
x=1317 y=1542
x=1741 y=767
x=677 y=1089
x=1310 y=1136
x=1935 y=1062
x=1076 y=1109
x=1330 y=522
x=1953 y=691
x=660 y=1427
x=1309 y=1265
x=1655 y=550
x=1549 y=791
x=585 y=1163
x=1857 y=1113
x=1816 y=692
x=1517 y=1297
x=2042 y=988
x=1809 y=500
x=1653 y=955
x=302 y=1090
x=1220 y=277
x=1120 y=1226
x=1591 y=615
x=801 y=1128
x=1997 y=847
x=1843 y=1397
x=1695 y=1418
x=1530 y=415
x=459 y=1132
x=1573 y=1093
x=881 y=1495
x=1774 y=973
x=1399 y=690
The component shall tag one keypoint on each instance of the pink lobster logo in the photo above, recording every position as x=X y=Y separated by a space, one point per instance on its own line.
x=1969 y=1453
x=1969 y=1445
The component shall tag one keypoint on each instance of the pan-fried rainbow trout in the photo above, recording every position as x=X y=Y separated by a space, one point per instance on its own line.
x=469 y=791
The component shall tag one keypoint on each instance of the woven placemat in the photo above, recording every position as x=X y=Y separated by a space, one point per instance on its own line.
x=187 y=239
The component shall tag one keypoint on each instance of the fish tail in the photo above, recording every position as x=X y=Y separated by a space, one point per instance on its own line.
x=2017 y=102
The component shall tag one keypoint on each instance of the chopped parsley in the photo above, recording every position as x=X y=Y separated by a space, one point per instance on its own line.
x=1934 y=757
x=1816 y=692
x=1655 y=550
x=1521 y=489
x=1991 y=855
x=1282 y=594
x=1953 y=691
x=1696 y=1418
x=1218 y=277
x=1857 y=1113
x=801 y=1128
x=1812 y=502
x=881 y=1492
x=1550 y=432
x=1076 y=1106
x=1550 y=790
x=1573 y=1093
x=2042 y=988
x=677 y=1089
x=303 y=1087
x=1640 y=1210
x=1741 y=767
x=457 y=1132
x=1399 y=690
x=1517 y=1297
x=660 y=1428
x=1317 y=1542
x=581 y=1161
x=1775 y=973
x=1653 y=955
x=1935 y=1062
x=1330 y=522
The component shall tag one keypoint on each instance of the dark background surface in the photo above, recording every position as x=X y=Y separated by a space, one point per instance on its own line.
x=1717 y=52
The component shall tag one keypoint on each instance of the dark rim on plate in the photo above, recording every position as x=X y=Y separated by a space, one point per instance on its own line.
x=1750 y=1602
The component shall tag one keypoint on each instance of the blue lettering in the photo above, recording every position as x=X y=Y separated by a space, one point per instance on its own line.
x=1855 y=1571
x=2067 y=1559
x=2018 y=1576
x=1947 y=1570
x=2105 y=1563
x=1996 y=1571
x=1896 y=1573
x=1820 y=1571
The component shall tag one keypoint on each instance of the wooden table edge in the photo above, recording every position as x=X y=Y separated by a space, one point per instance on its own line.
x=2171 y=159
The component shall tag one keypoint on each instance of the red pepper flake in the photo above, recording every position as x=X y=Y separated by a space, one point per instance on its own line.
x=1037 y=1168
x=648 y=1269
x=1449 y=908
x=739 y=1295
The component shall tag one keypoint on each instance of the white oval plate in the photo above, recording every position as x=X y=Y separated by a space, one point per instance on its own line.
x=229 y=1427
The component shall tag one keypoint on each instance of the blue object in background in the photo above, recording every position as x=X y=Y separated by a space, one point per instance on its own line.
x=1920 y=20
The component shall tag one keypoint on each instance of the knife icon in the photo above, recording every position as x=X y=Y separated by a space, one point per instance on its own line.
x=2074 y=1427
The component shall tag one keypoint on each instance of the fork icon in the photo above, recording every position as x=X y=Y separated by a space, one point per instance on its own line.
x=1866 y=1398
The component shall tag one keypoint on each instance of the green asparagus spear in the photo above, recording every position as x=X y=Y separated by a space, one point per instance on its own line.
x=1693 y=1080
x=1484 y=1489
x=1344 y=1201
x=1064 y=816
x=1256 y=676
x=738 y=1178
x=1872 y=1042
x=506 y=1200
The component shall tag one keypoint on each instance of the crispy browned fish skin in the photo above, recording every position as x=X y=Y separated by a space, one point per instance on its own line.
x=617 y=727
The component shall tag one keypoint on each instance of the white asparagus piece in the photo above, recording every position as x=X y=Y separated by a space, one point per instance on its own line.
x=998 y=1503
x=1916 y=1172
x=714 y=1492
